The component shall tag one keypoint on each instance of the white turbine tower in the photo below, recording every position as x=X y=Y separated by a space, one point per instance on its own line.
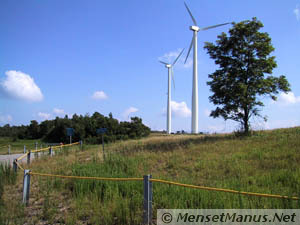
x=170 y=74
x=195 y=29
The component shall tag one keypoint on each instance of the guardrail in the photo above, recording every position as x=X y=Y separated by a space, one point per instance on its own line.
x=147 y=182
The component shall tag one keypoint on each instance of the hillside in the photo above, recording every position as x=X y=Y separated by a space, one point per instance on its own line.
x=266 y=162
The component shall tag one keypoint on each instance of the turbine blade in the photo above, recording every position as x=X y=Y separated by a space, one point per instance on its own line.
x=163 y=62
x=172 y=75
x=210 y=27
x=192 y=42
x=195 y=23
x=177 y=57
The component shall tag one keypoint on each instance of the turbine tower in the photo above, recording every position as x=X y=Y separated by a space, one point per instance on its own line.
x=170 y=74
x=195 y=29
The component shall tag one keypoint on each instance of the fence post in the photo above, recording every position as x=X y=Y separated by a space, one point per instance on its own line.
x=147 y=217
x=15 y=166
x=50 y=151
x=80 y=145
x=24 y=149
x=28 y=157
x=9 y=149
x=36 y=154
x=103 y=147
x=26 y=187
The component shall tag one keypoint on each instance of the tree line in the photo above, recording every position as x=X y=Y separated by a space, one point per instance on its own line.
x=85 y=128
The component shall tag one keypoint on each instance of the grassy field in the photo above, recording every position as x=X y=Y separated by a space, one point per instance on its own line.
x=18 y=145
x=266 y=162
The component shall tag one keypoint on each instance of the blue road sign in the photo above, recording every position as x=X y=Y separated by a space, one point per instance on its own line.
x=70 y=131
x=101 y=130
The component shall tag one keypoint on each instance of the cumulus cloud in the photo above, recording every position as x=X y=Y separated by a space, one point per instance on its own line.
x=5 y=118
x=179 y=109
x=128 y=111
x=297 y=12
x=288 y=99
x=44 y=116
x=18 y=85
x=99 y=95
x=171 y=56
x=59 y=111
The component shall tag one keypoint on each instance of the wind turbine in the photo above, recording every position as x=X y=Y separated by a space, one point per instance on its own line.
x=170 y=74
x=195 y=29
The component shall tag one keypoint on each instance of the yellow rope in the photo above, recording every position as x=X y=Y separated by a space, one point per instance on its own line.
x=22 y=156
x=87 y=178
x=19 y=166
x=153 y=180
x=45 y=149
x=223 y=190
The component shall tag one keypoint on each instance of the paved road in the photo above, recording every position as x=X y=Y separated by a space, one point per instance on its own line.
x=10 y=158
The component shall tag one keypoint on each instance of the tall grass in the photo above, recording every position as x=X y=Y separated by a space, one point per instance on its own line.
x=7 y=177
x=266 y=162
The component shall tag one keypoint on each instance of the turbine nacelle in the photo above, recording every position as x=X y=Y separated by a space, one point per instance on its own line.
x=194 y=28
x=168 y=65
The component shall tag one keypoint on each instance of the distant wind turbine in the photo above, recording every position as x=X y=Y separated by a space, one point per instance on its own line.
x=195 y=29
x=170 y=74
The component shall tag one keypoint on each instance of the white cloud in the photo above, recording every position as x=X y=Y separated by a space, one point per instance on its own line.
x=19 y=85
x=5 y=118
x=288 y=99
x=297 y=12
x=171 y=56
x=128 y=111
x=99 y=95
x=179 y=109
x=207 y=112
x=44 y=116
x=59 y=111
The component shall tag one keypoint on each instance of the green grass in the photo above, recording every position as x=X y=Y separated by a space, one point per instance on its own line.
x=7 y=177
x=266 y=162
x=18 y=145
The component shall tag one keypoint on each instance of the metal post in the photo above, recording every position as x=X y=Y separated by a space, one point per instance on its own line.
x=24 y=149
x=26 y=187
x=147 y=217
x=36 y=154
x=80 y=145
x=70 y=139
x=103 y=146
x=28 y=157
x=50 y=151
x=15 y=166
x=9 y=149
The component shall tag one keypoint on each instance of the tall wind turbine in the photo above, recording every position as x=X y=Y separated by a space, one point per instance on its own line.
x=195 y=29
x=170 y=74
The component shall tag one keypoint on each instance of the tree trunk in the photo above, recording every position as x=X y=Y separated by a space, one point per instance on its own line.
x=246 y=125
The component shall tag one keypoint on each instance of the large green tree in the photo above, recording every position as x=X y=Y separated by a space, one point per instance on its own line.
x=244 y=74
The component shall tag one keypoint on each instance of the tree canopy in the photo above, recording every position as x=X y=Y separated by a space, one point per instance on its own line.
x=244 y=62
x=85 y=128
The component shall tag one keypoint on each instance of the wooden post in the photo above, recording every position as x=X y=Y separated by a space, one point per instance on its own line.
x=15 y=166
x=28 y=157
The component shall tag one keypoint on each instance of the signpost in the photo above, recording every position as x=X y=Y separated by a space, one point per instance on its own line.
x=70 y=132
x=102 y=131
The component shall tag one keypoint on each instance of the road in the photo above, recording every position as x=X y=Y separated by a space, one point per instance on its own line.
x=10 y=158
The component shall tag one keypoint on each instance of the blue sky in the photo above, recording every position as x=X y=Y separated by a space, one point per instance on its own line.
x=62 y=57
